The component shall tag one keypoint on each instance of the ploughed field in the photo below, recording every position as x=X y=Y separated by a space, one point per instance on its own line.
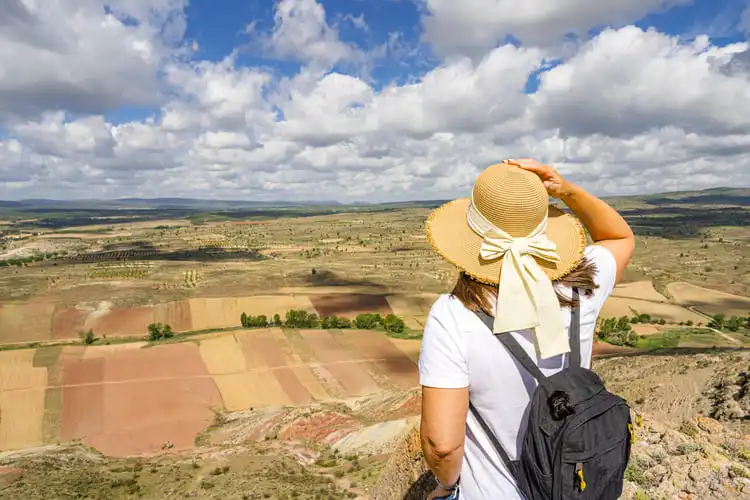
x=39 y=322
x=131 y=399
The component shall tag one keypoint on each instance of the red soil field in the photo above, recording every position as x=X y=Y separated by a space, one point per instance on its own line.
x=325 y=347
x=262 y=344
x=350 y=304
x=354 y=378
x=66 y=323
x=390 y=361
x=124 y=322
x=132 y=402
x=292 y=386
x=337 y=360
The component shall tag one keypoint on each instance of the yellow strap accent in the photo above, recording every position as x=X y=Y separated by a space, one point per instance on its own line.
x=632 y=433
x=581 y=481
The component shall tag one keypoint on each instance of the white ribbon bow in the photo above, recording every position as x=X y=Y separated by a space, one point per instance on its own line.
x=525 y=298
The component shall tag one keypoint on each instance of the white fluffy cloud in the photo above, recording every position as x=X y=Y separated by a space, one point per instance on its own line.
x=474 y=26
x=628 y=111
x=80 y=57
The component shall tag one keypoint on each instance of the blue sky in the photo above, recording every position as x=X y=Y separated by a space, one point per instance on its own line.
x=369 y=100
x=221 y=30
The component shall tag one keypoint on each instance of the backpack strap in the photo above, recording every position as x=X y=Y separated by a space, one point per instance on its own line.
x=495 y=443
x=575 y=331
x=515 y=349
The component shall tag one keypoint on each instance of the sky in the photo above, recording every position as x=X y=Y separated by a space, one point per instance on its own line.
x=368 y=100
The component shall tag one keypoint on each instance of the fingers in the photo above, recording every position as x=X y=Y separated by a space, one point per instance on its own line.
x=528 y=164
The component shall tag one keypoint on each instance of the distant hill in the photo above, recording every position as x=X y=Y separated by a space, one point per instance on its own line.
x=186 y=206
x=713 y=196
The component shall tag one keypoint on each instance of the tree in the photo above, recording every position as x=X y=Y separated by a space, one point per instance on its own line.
x=717 y=321
x=623 y=324
x=689 y=322
x=154 y=331
x=166 y=332
x=394 y=324
x=368 y=321
x=343 y=323
x=89 y=337
x=734 y=324
x=243 y=320
x=277 y=319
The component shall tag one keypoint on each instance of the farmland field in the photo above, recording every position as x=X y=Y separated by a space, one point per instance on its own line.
x=200 y=272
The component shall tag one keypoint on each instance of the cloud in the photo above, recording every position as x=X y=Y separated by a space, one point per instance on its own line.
x=82 y=57
x=624 y=82
x=301 y=33
x=473 y=26
x=628 y=111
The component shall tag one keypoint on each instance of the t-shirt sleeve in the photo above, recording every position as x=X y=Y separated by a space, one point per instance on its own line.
x=442 y=363
x=606 y=273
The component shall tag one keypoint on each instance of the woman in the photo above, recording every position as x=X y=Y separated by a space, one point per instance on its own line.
x=519 y=258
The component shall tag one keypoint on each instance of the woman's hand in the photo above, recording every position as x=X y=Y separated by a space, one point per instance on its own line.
x=556 y=185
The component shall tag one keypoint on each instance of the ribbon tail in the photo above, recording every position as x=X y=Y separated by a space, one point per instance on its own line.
x=550 y=335
x=515 y=300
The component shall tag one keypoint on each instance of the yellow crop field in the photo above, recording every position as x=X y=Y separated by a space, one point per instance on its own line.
x=639 y=290
x=241 y=391
x=26 y=322
x=222 y=355
x=22 y=390
x=710 y=301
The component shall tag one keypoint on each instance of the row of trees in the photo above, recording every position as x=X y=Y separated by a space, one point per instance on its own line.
x=618 y=331
x=733 y=324
x=302 y=319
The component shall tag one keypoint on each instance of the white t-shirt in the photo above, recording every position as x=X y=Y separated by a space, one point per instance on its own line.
x=458 y=351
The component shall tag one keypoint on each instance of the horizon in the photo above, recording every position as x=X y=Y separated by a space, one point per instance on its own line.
x=329 y=202
x=311 y=101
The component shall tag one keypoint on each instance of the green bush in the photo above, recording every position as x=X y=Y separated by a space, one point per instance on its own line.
x=394 y=324
x=368 y=321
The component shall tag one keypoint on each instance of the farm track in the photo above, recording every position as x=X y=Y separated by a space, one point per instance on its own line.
x=199 y=377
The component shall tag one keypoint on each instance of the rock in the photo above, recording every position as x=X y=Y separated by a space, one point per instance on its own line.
x=9 y=475
x=709 y=425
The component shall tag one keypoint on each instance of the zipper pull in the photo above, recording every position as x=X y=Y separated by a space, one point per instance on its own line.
x=579 y=473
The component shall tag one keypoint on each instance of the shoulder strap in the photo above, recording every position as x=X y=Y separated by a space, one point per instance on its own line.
x=575 y=330
x=495 y=443
x=515 y=349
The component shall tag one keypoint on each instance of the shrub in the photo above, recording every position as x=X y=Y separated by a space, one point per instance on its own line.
x=89 y=337
x=368 y=321
x=394 y=324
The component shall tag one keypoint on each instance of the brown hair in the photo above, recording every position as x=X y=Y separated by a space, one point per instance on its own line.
x=477 y=296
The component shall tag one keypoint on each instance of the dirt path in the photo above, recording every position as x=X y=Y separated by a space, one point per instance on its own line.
x=728 y=338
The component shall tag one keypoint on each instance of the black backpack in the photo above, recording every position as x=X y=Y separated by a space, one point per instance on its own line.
x=578 y=440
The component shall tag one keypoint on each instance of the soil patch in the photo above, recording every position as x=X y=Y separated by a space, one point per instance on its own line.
x=350 y=305
x=175 y=314
x=709 y=301
x=22 y=390
x=672 y=313
x=123 y=322
x=27 y=322
x=389 y=360
x=130 y=402
x=67 y=323
x=413 y=309
x=639 y=290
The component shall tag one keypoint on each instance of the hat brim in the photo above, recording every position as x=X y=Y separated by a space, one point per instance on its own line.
x=452 y=238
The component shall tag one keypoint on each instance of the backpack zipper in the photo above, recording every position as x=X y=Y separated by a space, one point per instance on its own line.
x=581 y=480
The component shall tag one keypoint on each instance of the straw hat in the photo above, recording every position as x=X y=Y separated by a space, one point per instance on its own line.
x=515 y=201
